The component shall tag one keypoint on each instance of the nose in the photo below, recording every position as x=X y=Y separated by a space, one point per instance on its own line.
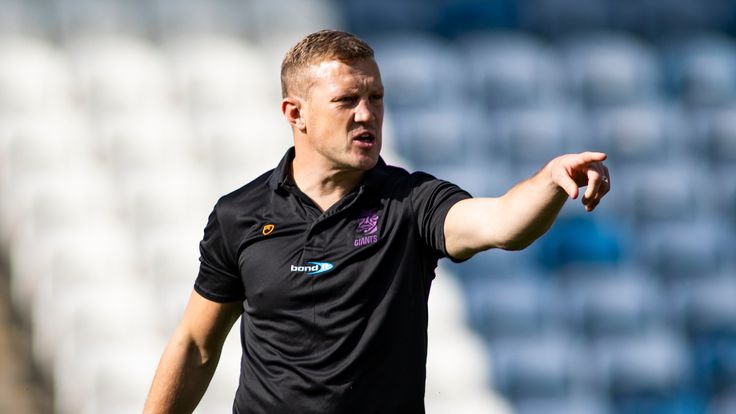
x=363 y=111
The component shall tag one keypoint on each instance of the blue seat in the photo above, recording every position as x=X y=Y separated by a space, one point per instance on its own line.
x=561 y=17
x=611 y=301
x=419 y=71
x=655 y=362
x=578 y=403
x=580 y=239
x=447 y=136
x=690 y=248
x=701 y=69
x=536 y=134
x=381 y=16
x=641 y=133
x=546 y=366
x=511 y=306
x=715 y=135
x=611 y=69
x=665 y=192
x=707 y=311
x=511 y=70
x=458 y=17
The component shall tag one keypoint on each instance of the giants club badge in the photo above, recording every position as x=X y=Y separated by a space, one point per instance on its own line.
x=367 y=228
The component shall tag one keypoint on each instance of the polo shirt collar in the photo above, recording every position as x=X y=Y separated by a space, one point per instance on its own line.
x=372 y=179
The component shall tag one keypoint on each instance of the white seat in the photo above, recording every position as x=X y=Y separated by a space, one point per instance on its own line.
x=218 y=72
x=155 y=140
x=35 y=145
x=41 y=204
x=96 y=249
x=119 y=73
x=34 y=76
x=166 y=199
x=241 y=145
x=110 y=377
x=292 y=18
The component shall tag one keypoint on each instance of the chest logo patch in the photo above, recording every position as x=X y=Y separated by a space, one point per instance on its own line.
x=367 y=228
x=268 y=229
x=313 y=268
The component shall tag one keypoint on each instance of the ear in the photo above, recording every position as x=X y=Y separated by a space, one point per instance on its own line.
x=291 y=107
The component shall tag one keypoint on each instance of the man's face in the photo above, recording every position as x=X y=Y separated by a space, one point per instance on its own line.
x=343 y=113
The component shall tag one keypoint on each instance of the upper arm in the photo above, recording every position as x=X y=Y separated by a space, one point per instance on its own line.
x=206 y=323
x=470 y=227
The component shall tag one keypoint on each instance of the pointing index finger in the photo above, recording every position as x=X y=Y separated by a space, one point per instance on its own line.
x=591 y=156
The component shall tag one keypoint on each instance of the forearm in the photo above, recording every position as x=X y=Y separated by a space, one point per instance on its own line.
x=181 y=379
x=528 y=211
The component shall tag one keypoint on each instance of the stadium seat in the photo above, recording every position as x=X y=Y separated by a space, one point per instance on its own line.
x=610 y=69
x=655 y=361
x=511 y=70
x=166 y=199
x=215 y=72
x=661 y=192
x=120 y=73
x=558 y=18
x=94 y=17
x=40 y=205
x=609 y=301
x=547 y=366
x=381 y=16
x=641 y=133
x=34 y=76
x=175 y=18
x=715 y=135
x=508 y=306
x=449 y=136
x=148 y=142
x=458 y=17
x=577 y=239
x=419 y=71
x=240 y=145
x=533 y=135
x=701 y=69
x=577 y=403
x=292 y=18
x=22 y=17
x=689 y=248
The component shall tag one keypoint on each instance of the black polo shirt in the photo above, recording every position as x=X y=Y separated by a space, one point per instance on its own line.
x=335 y=303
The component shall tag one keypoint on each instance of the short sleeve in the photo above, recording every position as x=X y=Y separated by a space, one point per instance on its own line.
x=431 y=200
x=219 y=277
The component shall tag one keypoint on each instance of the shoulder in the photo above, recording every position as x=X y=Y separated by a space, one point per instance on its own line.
x=247 y=197
x=394 y=177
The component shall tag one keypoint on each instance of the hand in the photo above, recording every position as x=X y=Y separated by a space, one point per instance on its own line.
x=572 y=171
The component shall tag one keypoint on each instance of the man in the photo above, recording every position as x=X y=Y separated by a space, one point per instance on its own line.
x=330 y=256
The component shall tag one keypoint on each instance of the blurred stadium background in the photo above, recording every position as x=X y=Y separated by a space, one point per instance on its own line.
x=122 y=121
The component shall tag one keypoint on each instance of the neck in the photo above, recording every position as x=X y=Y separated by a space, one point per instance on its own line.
x=323 y=185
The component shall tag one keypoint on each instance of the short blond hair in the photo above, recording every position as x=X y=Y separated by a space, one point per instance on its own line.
x=318 y=47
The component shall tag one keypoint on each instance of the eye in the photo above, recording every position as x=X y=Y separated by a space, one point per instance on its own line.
x=377 y=97
x=347 y=99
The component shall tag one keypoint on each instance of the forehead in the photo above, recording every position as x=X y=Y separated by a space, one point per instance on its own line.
x=337 y=76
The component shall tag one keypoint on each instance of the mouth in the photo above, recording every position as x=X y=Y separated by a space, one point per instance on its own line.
x=365 y=138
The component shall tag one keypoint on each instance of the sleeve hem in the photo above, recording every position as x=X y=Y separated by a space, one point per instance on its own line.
x=215 y=297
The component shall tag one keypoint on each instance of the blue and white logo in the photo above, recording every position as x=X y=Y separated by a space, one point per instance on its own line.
x=313 y=268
